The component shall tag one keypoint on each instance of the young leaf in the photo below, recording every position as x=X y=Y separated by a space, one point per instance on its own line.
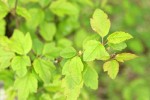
x=112 y=67
x=68 y=52
x=90 y=77
x=73 y=68
x=19 y=64
x=94 y=50
x=63 y=7
x=100 y=22
x=72 y=90
x=47 y=31
x=2 y=27
x=44 y=69
x=21 y=44
x=118 y=37
x=118 y=46
x=5 y=57
x=25 y=86
x=125 y=56
x=23 y=12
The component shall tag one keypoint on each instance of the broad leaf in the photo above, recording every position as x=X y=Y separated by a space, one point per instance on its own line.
x=68 y=52
x=90 y=77
x=5 y=57
x=125 y=56
x=21 y=44
x=63 y=7
x=26 y=85
x=100 y=22
x=23 y=12
x=118 y=37
x=47 y=31
x=37 y=46
x=118 y=46
x=112 y=67
x=94 y=50
x=73 y=69
x=44 y=69
x=19 y=64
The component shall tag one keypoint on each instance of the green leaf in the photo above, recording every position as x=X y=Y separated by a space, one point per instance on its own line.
x=90 y=77
x=112 y=67
x=23 y=12
x=44 y=69
x=100 y=22
x=125 y=56
x=37 y=46
x=25 y=86
x=2 y=27
x=118 y=37
x=68 y=52
x=63 y=7
x=3 y=9
x=21 y=44
x=73 y=92
x=118 y=46
x=47 y=31
x=73 y=69
x=19 y=64
x=94 y=50
x=5 y=57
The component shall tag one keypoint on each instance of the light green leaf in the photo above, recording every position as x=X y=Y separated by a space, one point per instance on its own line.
x=112 y=67
x=47 y=31
x=37 y=17
x=2 y=27
x=72 y=91
x=23 y=12
x=68 y=52
x=19 y=64
x=5 y=57
x=125 y=56
x=63 y=7
x=25 y=86
x=37 y=46
x=43 y=68
x=118 y=46
x=21 y=44
x=94 y=50
x=3 y=9
x=73 y=69
x=118 y=37
x=90 y=77
x=100 y=22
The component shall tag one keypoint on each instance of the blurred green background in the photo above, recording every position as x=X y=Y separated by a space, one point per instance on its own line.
x=72 y=23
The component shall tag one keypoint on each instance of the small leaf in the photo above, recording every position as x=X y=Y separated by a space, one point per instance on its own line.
x=100 y=22
x=2 y=27
x=5 y=57
x=68 y=52
x=125 y=56
x=47 y=31
x=21 y=44
x=25 y=86
x=43 y=68
x=118 y=37
x=19 y=64
x=94 y=50
x=90 y=77
x=112 y=67
x=23 y=12
x=118 y=46
x=73 y=69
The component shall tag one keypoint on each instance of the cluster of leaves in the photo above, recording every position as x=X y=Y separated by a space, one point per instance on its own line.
x=54 y=69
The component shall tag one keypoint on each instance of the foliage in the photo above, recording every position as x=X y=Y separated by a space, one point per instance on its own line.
x=49 y=52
